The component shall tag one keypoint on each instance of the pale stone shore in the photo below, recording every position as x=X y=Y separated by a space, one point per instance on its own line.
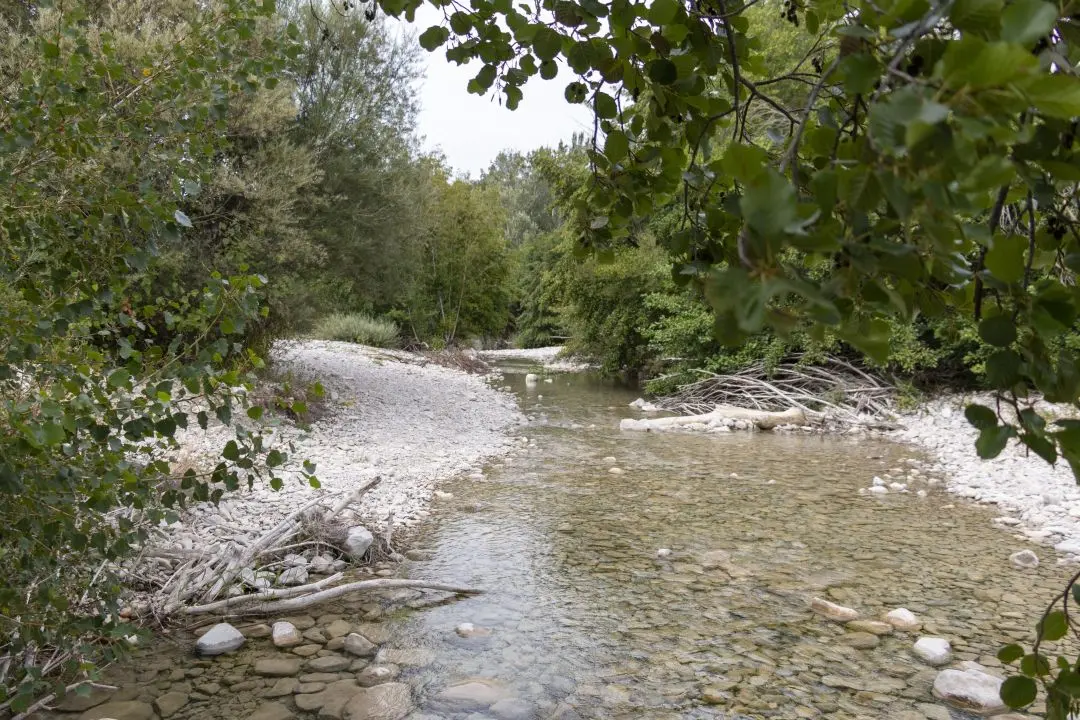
x=1038 y=501
x=389 y=414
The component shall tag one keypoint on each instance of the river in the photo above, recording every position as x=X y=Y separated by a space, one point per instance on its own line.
x=680 y=586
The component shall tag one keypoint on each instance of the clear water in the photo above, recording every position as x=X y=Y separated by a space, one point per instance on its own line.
x=587 y=622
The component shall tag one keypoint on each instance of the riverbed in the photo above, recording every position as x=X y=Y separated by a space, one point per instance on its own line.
x=636 y=575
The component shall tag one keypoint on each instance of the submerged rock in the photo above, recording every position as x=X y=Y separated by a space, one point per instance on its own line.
x=903 y=619
x=870 y=626
x=271 y=711
x=377 y=674
x=277 y=667
x=220 y=639
x=1024 y=560
x=475 y=694
x=127 y=710
x=970 y=689
x=358 y=645
x=833 y=611
x=390 y=701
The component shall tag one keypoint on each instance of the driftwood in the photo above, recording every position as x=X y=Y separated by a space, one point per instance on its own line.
x=828 y=392
x=205 y=578
x=314 y=598
x=763 y=419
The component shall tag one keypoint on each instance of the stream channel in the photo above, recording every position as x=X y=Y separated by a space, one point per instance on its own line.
x=582 y=619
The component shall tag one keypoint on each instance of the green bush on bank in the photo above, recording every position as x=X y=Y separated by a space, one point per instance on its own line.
x=358 y=328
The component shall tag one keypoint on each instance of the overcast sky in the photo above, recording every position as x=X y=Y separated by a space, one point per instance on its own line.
x=470 y=130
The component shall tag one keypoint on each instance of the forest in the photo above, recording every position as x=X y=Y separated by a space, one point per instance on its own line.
x=184 y=183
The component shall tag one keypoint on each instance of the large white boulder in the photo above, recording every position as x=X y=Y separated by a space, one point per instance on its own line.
x=358 y=541
x=220 y=639
x=296 y=575
x=970 y=689
x=933 y=650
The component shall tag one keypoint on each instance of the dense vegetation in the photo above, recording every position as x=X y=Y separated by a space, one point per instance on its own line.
x=182 y=182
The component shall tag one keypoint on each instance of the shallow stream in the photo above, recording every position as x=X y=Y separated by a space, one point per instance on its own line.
x=582 y=619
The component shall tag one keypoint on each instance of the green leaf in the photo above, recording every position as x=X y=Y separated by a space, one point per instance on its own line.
x=1010 y=653
x=768 y=203
x=549 y=69
x=255 y=412
x=616 y=146
x=998 y=330
x=119 y=379
x=992 y=441
x=546 y=45
x=1003 y=369
x=1056 y=95
x=605 y=106
x=980 y=416
x=1006 y=258
x=1018 y=691
x=982 y=17
x=662 y=12
x=433 y=37
x=860 y=72
x=1054 y=626
x=1034 y=665
x=576 y=92
x=1040 y=445
x=978 y=64
x=1025 y=21
x=662 y=71
x=231 y=451
x=274 y=458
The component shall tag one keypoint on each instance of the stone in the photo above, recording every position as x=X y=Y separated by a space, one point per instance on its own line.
x=338 y=628
x=663 y=553
x=1024 y=560
x=310 y=687
x=315 y=635
x=282 y=688
x=476 y=694
x=513 y=709
x=714 y=559
x=616 y=471
x=357 y=542
x=300 y=622
x=833 y=611
x=416 y=657
x=90 y=696
x=875 y=627
x=296 y=575
x=307 y=650
x=389 y=701
x=328 y=663
x=358 y=645
x=860 y=640
x=715 y=696
x=286 y=635
x=331 y=701
x=255 y=632
x=933 y=650
x=377 y=674
x=277 y=667
x=970 y=689
x=169 y=703
x=531 y=379
x=320 y=677
x=468 y=630
x=271 y=711
x=375 y=632
x=903 y=619
x=126 y=710
x=218 y=640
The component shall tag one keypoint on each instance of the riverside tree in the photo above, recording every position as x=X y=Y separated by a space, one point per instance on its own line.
x=928 y=166
x=113 y=118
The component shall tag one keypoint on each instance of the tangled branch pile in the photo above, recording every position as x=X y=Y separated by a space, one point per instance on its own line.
x=833 y=392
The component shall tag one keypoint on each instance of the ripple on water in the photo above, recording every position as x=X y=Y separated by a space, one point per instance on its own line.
x=586 y=621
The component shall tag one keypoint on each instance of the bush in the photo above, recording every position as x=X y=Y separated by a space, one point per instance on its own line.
x=358 y=328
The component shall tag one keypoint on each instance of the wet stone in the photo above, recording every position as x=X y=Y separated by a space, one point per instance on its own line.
x=170 y=703
x=271 y=711
x=282 y=688
x=306 y=650
x=124 y=710
x=377 y=674
x=328 y=663
x=277 y=667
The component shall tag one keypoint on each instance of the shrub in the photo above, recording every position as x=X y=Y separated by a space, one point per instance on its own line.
x=358 y=328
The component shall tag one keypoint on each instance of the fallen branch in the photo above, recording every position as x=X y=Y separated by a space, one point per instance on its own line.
x=306 y=601
x=275 y=594
x=763 y=419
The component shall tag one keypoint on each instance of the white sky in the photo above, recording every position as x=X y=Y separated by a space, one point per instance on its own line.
x=470 y=130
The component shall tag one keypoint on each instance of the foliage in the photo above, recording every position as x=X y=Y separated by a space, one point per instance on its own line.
x=930 y=170
x=358 y=328
x=112 y=116
x=461 y=285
